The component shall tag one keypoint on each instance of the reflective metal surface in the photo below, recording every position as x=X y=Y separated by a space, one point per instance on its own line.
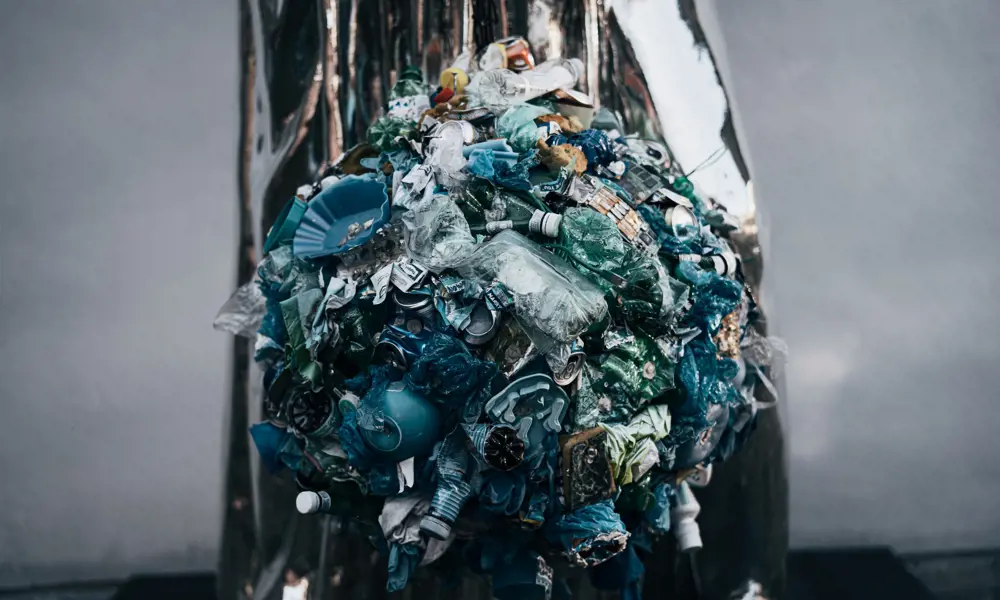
x=315 y=74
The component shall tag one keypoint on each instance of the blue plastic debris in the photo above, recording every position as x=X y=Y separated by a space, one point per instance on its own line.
x=343 y=216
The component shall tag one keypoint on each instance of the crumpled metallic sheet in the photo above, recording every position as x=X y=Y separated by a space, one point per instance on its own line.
x=314 y=75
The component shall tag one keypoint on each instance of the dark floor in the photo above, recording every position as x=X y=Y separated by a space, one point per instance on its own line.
x=855 y=574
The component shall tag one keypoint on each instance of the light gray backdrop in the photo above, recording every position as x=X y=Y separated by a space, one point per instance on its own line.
x=872 y=127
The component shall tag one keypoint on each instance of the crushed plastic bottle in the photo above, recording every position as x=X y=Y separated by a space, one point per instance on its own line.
x=501 y=88
x=549 y=294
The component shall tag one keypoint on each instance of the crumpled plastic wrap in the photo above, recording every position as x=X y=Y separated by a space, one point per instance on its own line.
x=500 y=172
x=445 y=154
x=631 y=448
x=706 y=380
x=448 y=372
x=244 y=312
x=549 y=295
x=517 y=126
x=437 y=234
x=596 y=146
x=635 y=372
x=593 y=241
x=277 y=447
x=589 y=535
x=384 y=131
x=714 y=295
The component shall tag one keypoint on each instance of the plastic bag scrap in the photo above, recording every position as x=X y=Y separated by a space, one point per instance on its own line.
x=596 y=146
x=631 y=448
x=277 y=447
x=244 y=312
x=546 y=325
x=589 y=535
x=501 y=172
x=657 y=516
x=449 y=373
x=715 y=296
x=517 y=126
x=706 y=381
x=436 y=232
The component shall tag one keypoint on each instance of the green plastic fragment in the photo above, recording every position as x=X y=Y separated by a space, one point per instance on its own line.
x=383 y=132
x=634 y=373
x=593 y=240
x=287 y=222
x=410 y=83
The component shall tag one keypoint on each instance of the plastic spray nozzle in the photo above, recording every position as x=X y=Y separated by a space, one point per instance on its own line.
x=683 y=519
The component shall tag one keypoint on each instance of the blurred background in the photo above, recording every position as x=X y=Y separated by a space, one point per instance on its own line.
x=870 y=127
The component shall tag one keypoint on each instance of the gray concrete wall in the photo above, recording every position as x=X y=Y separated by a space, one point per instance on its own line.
x=117 y=163
x=873 y=127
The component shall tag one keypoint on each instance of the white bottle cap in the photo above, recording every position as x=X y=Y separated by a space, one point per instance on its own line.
x=307 y=503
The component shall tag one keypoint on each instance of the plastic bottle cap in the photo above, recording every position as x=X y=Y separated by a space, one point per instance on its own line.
x=307 y=503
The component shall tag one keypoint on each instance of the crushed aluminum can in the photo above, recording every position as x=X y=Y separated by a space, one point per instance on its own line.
x=498 y=297
x=574 y=365
x=483 y=325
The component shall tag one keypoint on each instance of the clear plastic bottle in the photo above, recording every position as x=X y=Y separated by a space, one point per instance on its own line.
x=501 y=88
